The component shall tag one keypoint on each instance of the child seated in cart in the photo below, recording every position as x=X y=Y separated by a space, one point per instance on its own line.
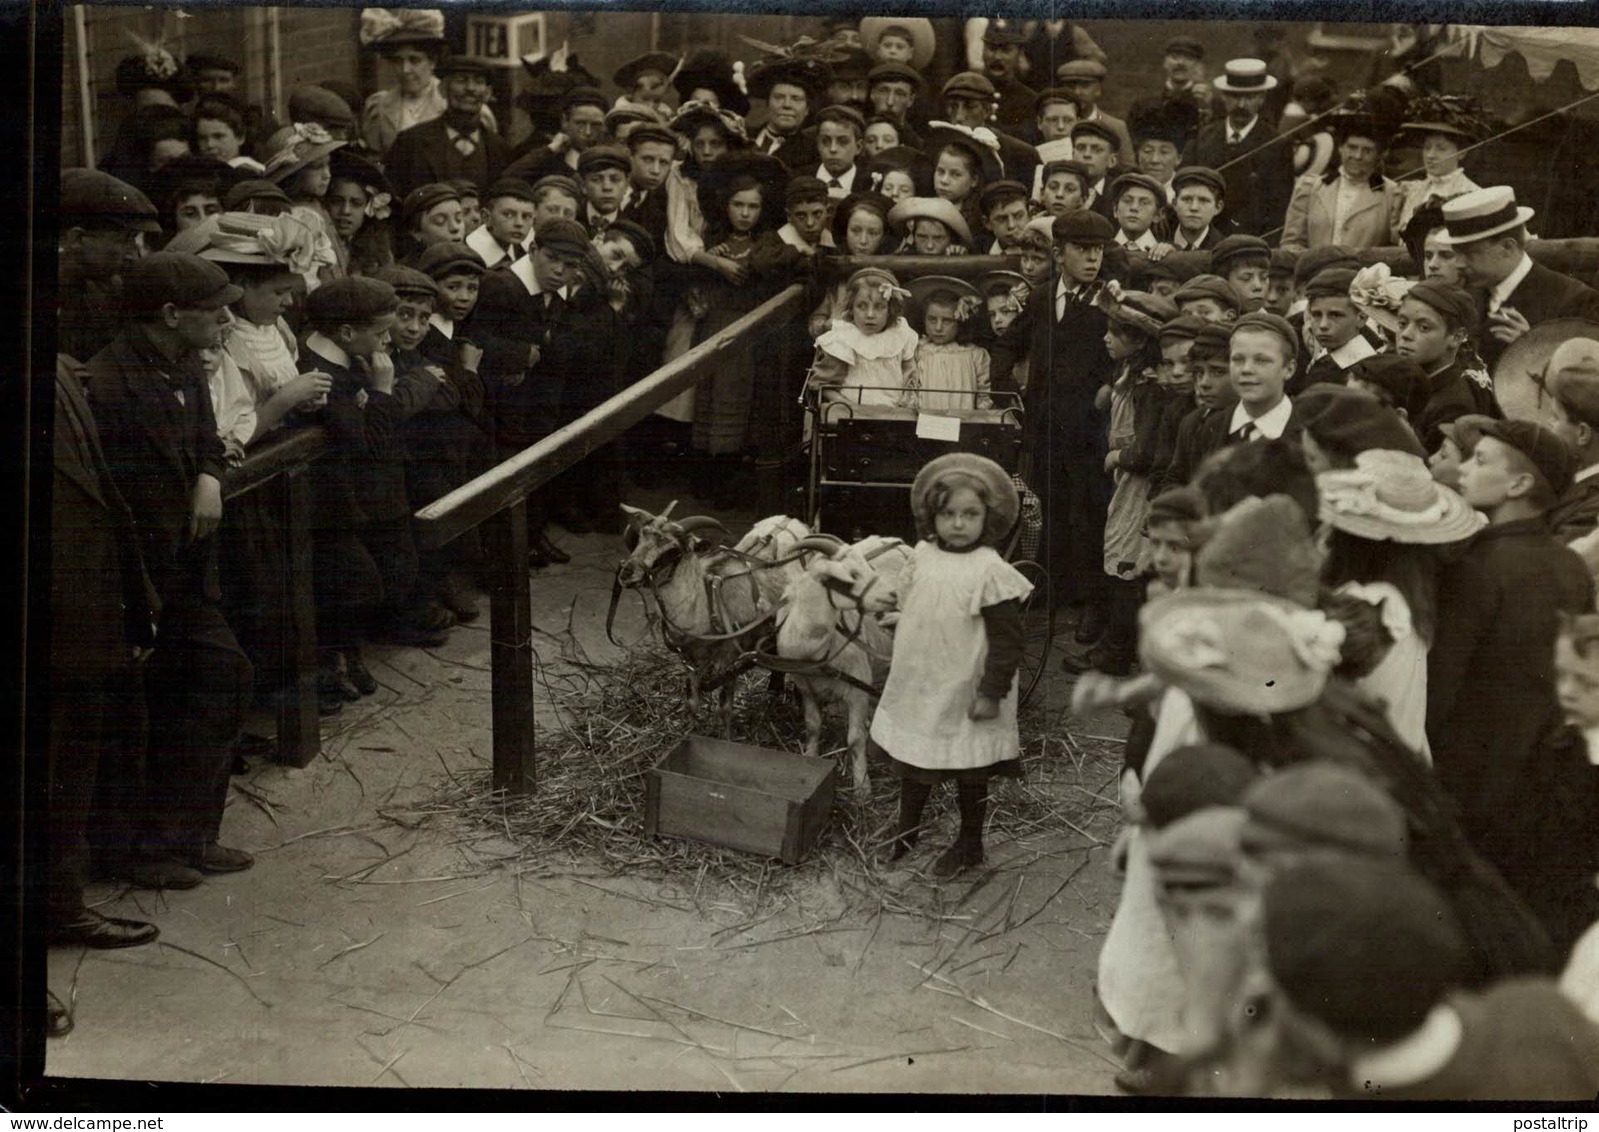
x=952 y=372
x=869 y=356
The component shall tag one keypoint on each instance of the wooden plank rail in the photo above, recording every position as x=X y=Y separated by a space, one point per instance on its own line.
x=494 y=500
x=490 y=493
x=911 y=266
x=285 y=456
x=1577 y=257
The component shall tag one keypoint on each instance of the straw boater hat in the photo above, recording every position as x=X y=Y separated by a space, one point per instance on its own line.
x=1391 y=496
x=931 y=208
x=294 y=147
x=996 y=482
x=916 y=29
x=1244 y=76
x=1239 y=652
x=1478 y=215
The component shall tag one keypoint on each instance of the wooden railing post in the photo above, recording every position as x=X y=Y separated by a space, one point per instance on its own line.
x=299 y=722
x=511 y=648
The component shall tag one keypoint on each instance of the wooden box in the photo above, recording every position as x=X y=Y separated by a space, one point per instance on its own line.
x=744 y=797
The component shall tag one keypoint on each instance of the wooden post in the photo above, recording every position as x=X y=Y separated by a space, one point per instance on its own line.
x=299 y=721
x=511 y=648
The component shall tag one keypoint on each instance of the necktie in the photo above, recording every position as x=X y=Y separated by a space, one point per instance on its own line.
x=1249 y=432
x=514 y=252
x=833 y=182
x=465 y=146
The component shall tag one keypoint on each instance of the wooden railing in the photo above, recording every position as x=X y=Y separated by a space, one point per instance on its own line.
x=493 y=499
x=285 y=456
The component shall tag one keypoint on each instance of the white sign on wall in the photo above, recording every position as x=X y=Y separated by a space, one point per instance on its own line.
x=502 y=41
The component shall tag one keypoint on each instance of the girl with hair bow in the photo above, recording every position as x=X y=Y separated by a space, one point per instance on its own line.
x=869 y=355
x=952 y=371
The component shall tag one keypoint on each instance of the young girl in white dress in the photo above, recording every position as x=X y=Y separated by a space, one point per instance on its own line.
x=948 y=710
x=952 y=373
x=869 y=356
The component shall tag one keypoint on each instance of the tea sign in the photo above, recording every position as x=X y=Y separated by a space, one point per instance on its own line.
x=502 y=41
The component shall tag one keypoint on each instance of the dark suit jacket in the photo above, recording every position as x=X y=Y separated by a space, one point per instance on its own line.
x=1577 y=513
x=1490 y=674
x=1258 y=187
x=1017 y=106
x=425 y=154
x=100 y=598
x=1543 y=295
x=1454 y=395
x=360 y=479
x=156 y=446
x=510 y=319
x=1213 y=434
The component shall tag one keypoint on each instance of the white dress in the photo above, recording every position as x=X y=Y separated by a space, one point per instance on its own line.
x=940 y=647
x=877 y=362
x=1400 y=681
x=951 y=376
x=1141 y=982
x=266 y=356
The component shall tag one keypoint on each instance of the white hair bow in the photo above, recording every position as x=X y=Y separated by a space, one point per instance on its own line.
x=378 y=24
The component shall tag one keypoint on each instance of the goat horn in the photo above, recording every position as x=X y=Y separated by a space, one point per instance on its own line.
x=694 y=523
x=667 y=513
x=829 y=545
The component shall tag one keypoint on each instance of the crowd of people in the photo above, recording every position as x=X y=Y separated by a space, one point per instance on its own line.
x=1362 y=781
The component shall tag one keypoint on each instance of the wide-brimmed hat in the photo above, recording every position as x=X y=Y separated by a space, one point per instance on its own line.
x=1237 y=651
x=1483 y=213
x=294 y=147
x=627 y=74
x=931 y=208
x=1244 y=76
x=998 y=487
x=1391 y=496
x=968 y=300
x=1455 y=116
x=692 y=115
x=384 y=28
x=917 y=29
x=982 y=143
x=713 y=71
x=809 y=74
x=246 y=237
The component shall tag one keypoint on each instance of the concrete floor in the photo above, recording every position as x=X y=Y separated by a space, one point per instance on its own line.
x=359 y=951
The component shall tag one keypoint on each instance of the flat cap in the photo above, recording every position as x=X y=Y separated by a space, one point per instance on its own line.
x=1238 y=246
x=1000 y=191
x=1177 y=505
x=1184 y=45
x=1272 y=323
x=184 y=280
x=1055 y=94
x=353 y=298
x=1572 y=375
x=969 y=84
x=1002 y=33
x=802 y=189
x=563 y=235
x=449 y=257
x=1332 y=283
x=1094 y=128
x=844 y=115
x=1553 y=457
x=892 y=72
x=513 y=187
x=1065 y=165
x=1453 y=303
x=461 y=65
x=1208 y=286
x=424 y=197
x=90 y=195
x=1199 y=174
x=1284 y=261
x=407 y=282
x=584 y=96
x=598 y=157
x=1313 y=262
x=559 y=181
x=1136 y=181
x=635 y=234
x=1083 y=227
x=1184 y=326
x=1347 y=422
x=1325 y=806
x=1191 y=778
x=650 y=132
x=1081 y=71
x=316 y=104
x=1214 y=340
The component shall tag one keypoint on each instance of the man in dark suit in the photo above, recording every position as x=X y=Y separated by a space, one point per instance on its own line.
x=1015 y=101
x=1572 y=379
x=101 y=622
x=101 y=219
x=1062 y=331
x=1181 y=98
x=456 y=145
x=152 y=403
x=968 y=100
x=1489 y=233
x=1259 y=168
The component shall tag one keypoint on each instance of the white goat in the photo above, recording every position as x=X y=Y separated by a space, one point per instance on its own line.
x=713 y=601
x=827 y=619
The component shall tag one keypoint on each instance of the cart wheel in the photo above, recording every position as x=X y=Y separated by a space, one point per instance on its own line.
x=1038 y=625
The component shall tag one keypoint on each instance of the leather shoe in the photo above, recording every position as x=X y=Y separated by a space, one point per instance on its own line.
x=1091 y=627
x=536 y=559
x=159 y=873
x=956 y=860
x=459 y=601
x=90 y=929
x=541 y=544
x=355 y=671
x=216 y=858
x=57 y=1018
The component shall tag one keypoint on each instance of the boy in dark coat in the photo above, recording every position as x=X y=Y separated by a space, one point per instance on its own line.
x=153 y=407
x=1063 y=332
x=1572 y=379
x=1490 y=684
